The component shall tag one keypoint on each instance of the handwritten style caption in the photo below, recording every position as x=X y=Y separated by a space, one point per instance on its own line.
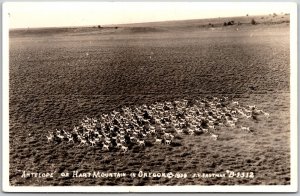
x=140 y=174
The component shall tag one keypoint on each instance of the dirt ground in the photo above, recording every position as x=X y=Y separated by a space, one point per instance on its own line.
x=59 y=76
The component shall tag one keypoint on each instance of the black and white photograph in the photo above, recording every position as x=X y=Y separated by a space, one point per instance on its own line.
x=149 y=97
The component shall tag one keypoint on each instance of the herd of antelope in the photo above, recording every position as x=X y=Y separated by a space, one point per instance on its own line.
x=158 y=123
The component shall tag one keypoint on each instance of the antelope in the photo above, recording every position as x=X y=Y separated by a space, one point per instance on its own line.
x=234 y=119
x=167 y=134
x=141 y=142
x=231 y=124
x=235 y=103
x=60 y=136
x=178 y=131
x=211 y=126
x=70 y=138
x=132 y=138
x=210 y=117
x=82 y=141
x=119 y=145
x=159 y=141
x=93 y=142
x=122 y=140
x=193 y=126
x=210 y=122
x=167 y=142
x=107 y=142
x=229 y=121
x=252 y=107
x=220 y=124
x=250 y=116
x=152 y=130
x=171 y=136
x=233 y=112
x=245 y=128
x=191 y=131
x=124 y=148
x=247 y=111
x=75 y=129
x=266 y=114
x=176 y=124
x=97 y=133
x=241 y=113
x=50 y=137
x=214 y=136
x=144 y=135
x=105 y=147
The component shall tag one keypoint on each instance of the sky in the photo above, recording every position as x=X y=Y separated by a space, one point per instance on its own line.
x=67 y=14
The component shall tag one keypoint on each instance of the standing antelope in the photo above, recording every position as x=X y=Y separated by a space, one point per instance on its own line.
x=157 y=141
x=214 y=136
x=50 y=137
x=124 y=148
x=141 y=142
x=105 y=147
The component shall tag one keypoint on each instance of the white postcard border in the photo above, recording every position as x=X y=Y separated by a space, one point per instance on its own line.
x=293 y=187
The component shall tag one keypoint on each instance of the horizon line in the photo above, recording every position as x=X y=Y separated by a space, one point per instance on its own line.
x=133 y=23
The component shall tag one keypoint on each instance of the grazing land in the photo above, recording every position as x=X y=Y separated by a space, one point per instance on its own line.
x=58 y=76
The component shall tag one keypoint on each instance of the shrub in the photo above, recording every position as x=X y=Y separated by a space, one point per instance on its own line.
x=253 y=22
x=230 y=23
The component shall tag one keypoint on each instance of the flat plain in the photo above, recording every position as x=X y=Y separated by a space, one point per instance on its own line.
x=60 y=75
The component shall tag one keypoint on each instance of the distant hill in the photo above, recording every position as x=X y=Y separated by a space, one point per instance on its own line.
x=262 y=19
x=152 y=27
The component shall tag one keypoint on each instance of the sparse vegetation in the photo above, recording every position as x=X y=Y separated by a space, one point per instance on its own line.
x=56 y=85
x=210 y=24
x=229 y=23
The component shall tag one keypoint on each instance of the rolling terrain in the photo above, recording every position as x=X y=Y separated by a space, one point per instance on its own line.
x=58 y=76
